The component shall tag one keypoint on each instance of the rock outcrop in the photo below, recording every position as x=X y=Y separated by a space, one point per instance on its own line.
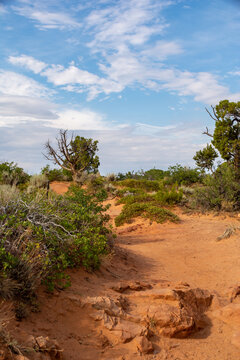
x=146 y=310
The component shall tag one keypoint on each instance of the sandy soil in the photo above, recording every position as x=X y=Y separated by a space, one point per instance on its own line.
x=156 y=253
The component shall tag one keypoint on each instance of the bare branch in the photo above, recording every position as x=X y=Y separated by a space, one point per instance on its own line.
x=215 y=118
x=207 y=132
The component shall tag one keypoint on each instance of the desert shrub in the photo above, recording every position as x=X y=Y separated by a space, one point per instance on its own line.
x=38 y=181
x=42 y=237
x=11 y=174
x=169 y=197
x=183 y=175
x=220 y=191
x=111 y=177
x=128 y=191
x=155 y=174
x=164 y=196
x=8 y=193
x=56 y=174
x=186 y=190
x=147 y=185
x=146 y=210
x=135 y=198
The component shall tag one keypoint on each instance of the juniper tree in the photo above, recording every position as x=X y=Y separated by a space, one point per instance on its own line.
x=75 y=155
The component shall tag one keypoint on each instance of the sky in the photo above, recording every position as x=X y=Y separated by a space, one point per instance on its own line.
x=136 y=75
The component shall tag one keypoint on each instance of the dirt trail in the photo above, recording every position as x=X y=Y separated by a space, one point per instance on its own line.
x=161 y=255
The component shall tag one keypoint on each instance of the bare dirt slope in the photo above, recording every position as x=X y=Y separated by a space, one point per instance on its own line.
x=157 y=256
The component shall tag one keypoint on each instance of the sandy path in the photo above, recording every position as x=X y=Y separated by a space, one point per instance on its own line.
x=167 y=252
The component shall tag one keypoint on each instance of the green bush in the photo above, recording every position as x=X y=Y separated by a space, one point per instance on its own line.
x=38 y=181
x=164 y=196
x=11 y=174
x=169 y=197
x=183 y=175
x=56 y=174
x=146 y=210
x=220 y=191
x=42 y=237
x=147 y=185
x=133 y=198
x=7 y=193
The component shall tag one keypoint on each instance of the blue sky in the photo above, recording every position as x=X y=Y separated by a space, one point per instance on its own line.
x=134 y=74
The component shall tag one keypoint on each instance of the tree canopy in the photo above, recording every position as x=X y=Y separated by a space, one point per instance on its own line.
x=75 y=155
x=205 y=158
x=226 y=135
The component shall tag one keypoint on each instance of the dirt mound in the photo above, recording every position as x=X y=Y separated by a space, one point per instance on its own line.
x=60 y=187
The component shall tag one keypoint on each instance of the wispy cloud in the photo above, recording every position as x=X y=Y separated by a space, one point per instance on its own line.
x=28 y=62
x=12 y=83
x=44 y=18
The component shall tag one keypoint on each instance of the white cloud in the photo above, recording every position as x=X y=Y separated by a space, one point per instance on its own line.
x=28 y=62
x=58 y=75
x=121 y=32
x=162 y=49
x=12 y=83
x=45 y=18
x=84 y=119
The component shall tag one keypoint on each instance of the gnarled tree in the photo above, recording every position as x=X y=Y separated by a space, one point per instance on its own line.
x=75 y=155
x=226 y=135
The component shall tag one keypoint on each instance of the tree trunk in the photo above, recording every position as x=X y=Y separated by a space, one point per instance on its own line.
x=75 y=178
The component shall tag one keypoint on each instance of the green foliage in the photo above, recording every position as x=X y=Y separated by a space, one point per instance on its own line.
x=221 y=191
x=38 y=181
x=155 y=174
x=42 y=237
x=135 y=198
x=83 y=154
x=11 y=174
x=169 y=197
x=226 y=136
x=146 y=210
x=152 y=174
x=183 y=175
x=163 y=197
x=56 y=174
x=147 y=185
x=74 y=156
x=205 y=158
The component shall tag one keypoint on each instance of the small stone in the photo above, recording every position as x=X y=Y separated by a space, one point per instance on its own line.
x=42 y=342
x=31 y=342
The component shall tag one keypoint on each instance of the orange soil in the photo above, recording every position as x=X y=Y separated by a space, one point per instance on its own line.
x=60 y=187
x=167 y=253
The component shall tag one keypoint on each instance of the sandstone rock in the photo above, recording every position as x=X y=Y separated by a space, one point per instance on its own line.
x=180 y=316
x=230 y=314
x=196 y=300
x=134 y=286
x=170 y=320
x=110 y=306
x=234 y=293
x=42 y=342
x=50 y=347
x=144 y=345
x=155 y=294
